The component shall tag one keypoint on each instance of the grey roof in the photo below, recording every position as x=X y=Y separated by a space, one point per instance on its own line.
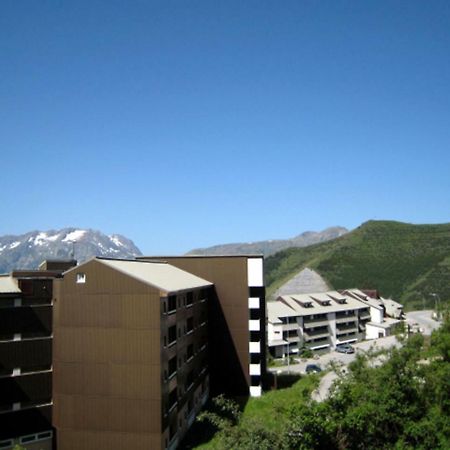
x=392 y=303
x=8 y=285
x=291 y=305
x=387 y=323
x=357 y=293
x=158 y=274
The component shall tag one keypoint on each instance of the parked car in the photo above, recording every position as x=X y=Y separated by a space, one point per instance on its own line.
x=345 y=348
x=313 y=368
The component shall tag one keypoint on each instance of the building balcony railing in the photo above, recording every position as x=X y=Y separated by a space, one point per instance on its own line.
x=349 y=318
x=292 y=338
x=323 y=334
x=346 y=329
x=318 y=343
x=364 y=316
x=315 y=323
x=289 y=326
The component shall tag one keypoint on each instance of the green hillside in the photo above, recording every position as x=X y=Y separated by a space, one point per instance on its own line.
x=404 y=261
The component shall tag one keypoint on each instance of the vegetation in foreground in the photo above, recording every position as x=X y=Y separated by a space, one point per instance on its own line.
x=404 y=261
x=403 y=404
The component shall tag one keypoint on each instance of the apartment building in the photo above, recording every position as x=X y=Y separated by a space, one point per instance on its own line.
x=130 y=354
x=26 y=357
x=237 y=319
x=317 y=321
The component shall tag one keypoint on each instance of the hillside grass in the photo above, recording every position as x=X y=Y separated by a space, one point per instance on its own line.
x=403 y=261
x=271 y=408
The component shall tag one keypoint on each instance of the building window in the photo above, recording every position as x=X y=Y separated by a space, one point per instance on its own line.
x=6 y=444
x=81 y=278
x=189 y=380
x=189 y=298
x=172 y=398
x=172 y=366
x=189 y=325
x=172 y=303
x=172 y=334
x=190 y=351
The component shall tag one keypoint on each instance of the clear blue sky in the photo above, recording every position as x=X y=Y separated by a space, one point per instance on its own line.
x=191 y=123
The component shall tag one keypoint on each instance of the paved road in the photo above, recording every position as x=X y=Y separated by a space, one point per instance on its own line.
x=423 y=318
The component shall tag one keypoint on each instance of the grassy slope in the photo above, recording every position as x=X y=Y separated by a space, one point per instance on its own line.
x=270 y=409
x=400 y=260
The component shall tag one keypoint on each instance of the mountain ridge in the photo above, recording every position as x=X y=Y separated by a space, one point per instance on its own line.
x=269 y=247
x=28 y=250
x=406 y=261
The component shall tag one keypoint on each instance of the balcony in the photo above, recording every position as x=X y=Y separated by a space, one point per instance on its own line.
x=321 y=343
x=315 y=323
x=349 y=318
x=290 y=326
x=364 y=316
x=353 y=328
x=317 y=335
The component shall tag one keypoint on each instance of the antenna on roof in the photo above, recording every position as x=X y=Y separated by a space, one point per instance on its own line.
x=73 y=250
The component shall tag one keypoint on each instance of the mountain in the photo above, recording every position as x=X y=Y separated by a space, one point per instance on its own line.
x=270 y=247
x=28 y=250
x=407 y=262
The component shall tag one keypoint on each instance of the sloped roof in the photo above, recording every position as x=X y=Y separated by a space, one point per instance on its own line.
x=360 y=295
x=291 y=305
x=8 y=285
x=158 y=274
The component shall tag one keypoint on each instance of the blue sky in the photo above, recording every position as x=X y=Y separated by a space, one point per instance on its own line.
x=183 y=124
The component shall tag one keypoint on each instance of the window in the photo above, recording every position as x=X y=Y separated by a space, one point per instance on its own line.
x=172 y=398
x=172 y=366
x=172 y=334
x=189 y=380
x=6 y=444
x=81 y=278
x=189 y=298
x=172 y=303
x=190 y=351
x=190 y=325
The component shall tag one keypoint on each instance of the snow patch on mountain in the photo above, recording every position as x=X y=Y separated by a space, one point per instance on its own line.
x=115 y=240
x=74 y=236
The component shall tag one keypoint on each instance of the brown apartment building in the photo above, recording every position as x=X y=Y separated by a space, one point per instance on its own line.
x=26 y=357
x=138 y=346
x=237 y=319
x=130 y=354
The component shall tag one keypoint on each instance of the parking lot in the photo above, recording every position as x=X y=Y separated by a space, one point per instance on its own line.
x=340 y=358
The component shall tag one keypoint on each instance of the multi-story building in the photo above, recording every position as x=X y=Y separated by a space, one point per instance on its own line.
x=137 y=347
x=130 y=354
x=237 y=318
x=315 y=321
x=26 y=357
